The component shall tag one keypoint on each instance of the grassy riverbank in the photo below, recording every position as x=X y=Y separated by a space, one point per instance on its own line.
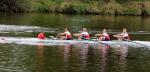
x=104 y=7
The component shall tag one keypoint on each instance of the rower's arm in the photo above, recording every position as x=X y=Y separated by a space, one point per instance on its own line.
x=98 y=34
x=62 y=33
x=76 y=34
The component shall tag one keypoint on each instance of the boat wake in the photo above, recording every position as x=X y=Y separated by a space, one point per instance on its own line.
x=18 y=28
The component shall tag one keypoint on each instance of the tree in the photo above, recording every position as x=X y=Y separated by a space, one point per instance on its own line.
x=15 y=5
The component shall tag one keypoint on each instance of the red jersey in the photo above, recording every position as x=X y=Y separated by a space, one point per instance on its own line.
x=125 y=35
x=41 y=36
x=107 y=37
x=85 y=34
x=68 y=35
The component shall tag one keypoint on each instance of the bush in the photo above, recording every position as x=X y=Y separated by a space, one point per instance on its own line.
x=68 y=7
x=146 y=8
x=113 y=8
x=109 y=7
x=133 y=8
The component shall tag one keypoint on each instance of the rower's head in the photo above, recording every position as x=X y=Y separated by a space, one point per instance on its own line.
x=84 y=29
x=66 y=29
x=42 y=32
x=124 y=30
x=104 y=30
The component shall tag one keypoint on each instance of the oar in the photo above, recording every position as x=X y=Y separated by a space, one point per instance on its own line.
x=140 y=44
x=137 y=43
x=96 y=40
x=128 y=41
x=52 y=37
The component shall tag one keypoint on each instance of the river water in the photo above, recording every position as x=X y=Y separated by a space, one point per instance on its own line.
x=73 y=57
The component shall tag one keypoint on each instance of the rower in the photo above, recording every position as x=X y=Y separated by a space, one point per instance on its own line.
x=104 y=36
x=41 y=35
x=83 y=35
x=66 y=35
x=124 y=36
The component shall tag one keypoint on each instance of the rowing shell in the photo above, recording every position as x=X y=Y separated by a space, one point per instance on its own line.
x=36 y=41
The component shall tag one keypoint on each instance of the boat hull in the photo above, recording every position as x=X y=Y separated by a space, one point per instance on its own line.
x=36 y=41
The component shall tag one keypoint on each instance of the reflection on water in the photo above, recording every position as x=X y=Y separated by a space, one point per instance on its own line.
x=83 y=57
x=103 y=53
x=40 y=57
x=15 y=59
x=120 y=63
x=73 y=58
x=66 y=55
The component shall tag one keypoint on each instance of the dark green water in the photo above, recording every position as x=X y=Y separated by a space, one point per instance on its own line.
x=138 y=27
x=74 y=57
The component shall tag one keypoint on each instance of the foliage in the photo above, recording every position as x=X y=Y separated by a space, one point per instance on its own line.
x=110 y=7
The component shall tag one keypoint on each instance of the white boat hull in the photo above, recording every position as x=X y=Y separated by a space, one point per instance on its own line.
x=36 y=41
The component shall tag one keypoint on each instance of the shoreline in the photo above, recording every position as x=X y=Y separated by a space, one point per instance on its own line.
x=56 y=13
